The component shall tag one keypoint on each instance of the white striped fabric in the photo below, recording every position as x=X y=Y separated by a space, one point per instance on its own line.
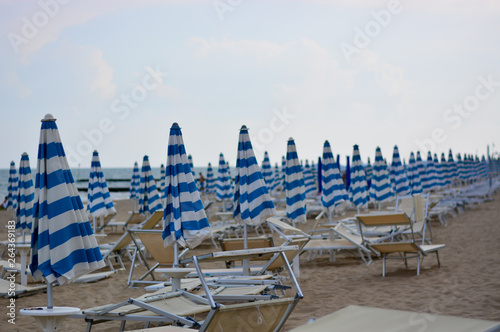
x=210 y=188
x=380 y=190
x=63 y=246
x=13 y=189
x=294 y=185
x=185 y=221
x=149 y=198
x=276 y=178
x=398 y=173
x=135 y=182
x=267 y=171
x=99 y=201
x=439 y=173
x=420 y=169
x=223 y=190
x=414 y=176
x=358 y=186
x=161 y=185
x=446 y=171
x=253 y=203
x=452 y=168
x=429 y=181
x=310 y=184
x=333 y=189
x=26 y=194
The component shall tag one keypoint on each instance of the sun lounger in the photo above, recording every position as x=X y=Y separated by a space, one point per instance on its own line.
x=395 y=246
x=357 y=318
x=9 y=289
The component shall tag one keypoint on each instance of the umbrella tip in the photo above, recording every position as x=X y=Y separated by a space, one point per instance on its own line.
x=244 y=127
x=175 y=125
x=48 y=117
x=24 y=154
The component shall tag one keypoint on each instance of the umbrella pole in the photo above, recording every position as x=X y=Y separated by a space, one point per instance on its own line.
x=94 y=224
x=50 y=302
x=101 y=219
x=176 y=256
x=246 y=262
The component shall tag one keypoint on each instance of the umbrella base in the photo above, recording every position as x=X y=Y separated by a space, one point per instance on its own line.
x=49 y=319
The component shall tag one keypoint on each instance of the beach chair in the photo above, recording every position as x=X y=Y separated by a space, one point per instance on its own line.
x=134 y=219
x=252 y=242
x=404 y=248
x=9 y=289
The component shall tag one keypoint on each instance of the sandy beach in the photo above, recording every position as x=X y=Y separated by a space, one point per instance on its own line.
x=466 y=285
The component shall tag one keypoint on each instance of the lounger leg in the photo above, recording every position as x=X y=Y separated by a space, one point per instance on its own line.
x=383 y=266
x=122 y=325
x=437 y=256
x=418 y=264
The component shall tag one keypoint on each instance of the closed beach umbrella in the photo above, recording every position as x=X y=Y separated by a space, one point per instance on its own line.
x=332 y=187
x=420 y=168
x=283 y=172
x=185 y=221
x=401 y=185
x=267 y=171
x=294 y=186
x=190 y=161
x=429 y=181
x=99 y=203
x=276 y=178
x=380 y=190
x=359 y=188
x=12 y=190
x=26 y=195
x=210 y=179
x=452 y=168
x=439 y=173
x=253 y=203
x=223 y=190
x=135 y=183
x=63 y=246
x=368 y=173
x=161 y=185
x=309 y=182
x=149 y=198
x=447 y=177
x=414 y=176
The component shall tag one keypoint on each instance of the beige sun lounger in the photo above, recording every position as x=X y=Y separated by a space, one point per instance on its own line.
x=18 y=290
x=357 y=318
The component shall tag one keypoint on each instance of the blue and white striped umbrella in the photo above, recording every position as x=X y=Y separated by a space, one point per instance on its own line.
x=294 y=186
x=223 y=192
x=309 y=182
x=190 y=161
x=253 y=203
x=452 y=168
x=333 y=190
x=429 y=180
x=420 y=169
x=359 y=188
x=414 y=176
x=380 y=190
x=210 y=188
x=149 y=197
x=283 y=172
x=267 y=171
x=63 y=246
x=26 y=195
x=439 y=173
x=135 y=182
x=13 y=189
x=447 y=176
x=369 y=173
x=315 y=175
x=484 y=170
x=276 y=178
x=185 y=221
x=99 y=201
x=161 y=185
x=401 y=185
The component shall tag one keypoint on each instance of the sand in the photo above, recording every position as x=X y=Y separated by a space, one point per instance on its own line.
x=466 y=285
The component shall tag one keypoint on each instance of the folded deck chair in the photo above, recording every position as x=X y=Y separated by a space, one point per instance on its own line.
x=404 y=248
x=134 y=219
x=15 y=290
x=358 y=318
x=340 y=238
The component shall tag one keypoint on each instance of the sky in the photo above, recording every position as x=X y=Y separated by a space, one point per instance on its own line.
x=422 y=75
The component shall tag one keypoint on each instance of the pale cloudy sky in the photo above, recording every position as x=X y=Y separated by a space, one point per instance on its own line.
x=116 y=74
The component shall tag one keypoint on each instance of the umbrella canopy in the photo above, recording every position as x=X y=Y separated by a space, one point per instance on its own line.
x=161 y=185
x=253 y=203
x=210 y=188
x=359 y=188
x=223 y=191
x=283 y=172
x=149 y=198
x=12 y=189
x=398 y=173
x=429 y=180
x=333 y=190
x=439 y=173
x=369 y=173
x=267 y=171
x=26 y=195
x=99 y=201
x=135 y=182
x=190 y=161
x=452 y=168
x=420 y=169
x=185 y=221
x=63 y=246
x=276 y=178
x=414 y=175
x=294 y=185
x=310 y=184
x=381 y=190
x=447 y=176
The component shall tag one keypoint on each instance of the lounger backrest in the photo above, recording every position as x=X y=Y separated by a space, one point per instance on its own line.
x=252 y=243
x=405 y=204
x=344 y=233
x=122 y=242
x=290 y=254
x=260 y=316
x=153 y=242
x=153 y=220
